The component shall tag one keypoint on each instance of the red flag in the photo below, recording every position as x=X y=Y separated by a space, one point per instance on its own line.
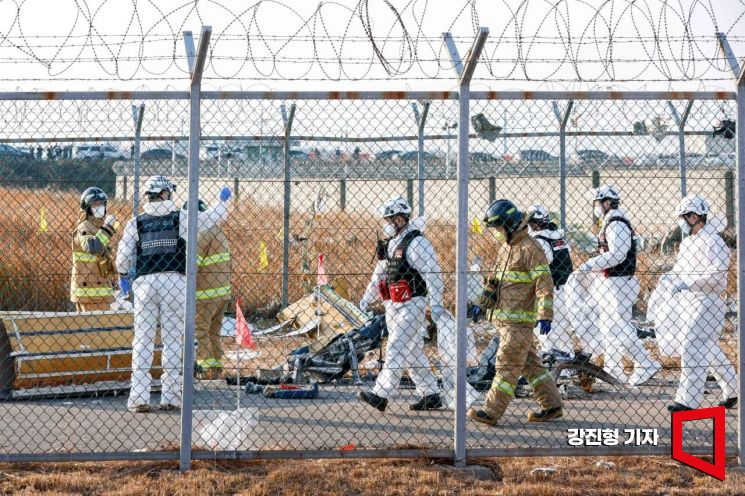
x=243 y=329
x=321 y=279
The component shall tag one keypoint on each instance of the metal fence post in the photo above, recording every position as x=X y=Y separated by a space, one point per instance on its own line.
x=196 y=66
x=137 y=114
x=563 y=119
x=681 y=123
x=286 y=210
x=492 y=189
x=741 y=258
x=739 y=73
x=420 y=120
x=465 y=72
x=729 y=197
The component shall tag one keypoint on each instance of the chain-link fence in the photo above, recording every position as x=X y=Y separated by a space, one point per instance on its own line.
x=322 y=340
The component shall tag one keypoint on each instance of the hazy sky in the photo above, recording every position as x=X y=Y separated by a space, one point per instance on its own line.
x=117 y=44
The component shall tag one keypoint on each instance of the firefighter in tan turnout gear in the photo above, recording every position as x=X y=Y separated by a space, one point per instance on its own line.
x=519 y=296
x=213 y=295
x=93 y=273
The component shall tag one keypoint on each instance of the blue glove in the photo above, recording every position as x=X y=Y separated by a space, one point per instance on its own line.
x=124 y=285
x=437 y=310
x=476 y=313
x=678 y=287
x=225 y=194
x=544 y=326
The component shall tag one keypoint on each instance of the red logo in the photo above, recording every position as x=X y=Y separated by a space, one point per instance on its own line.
x=717 y=413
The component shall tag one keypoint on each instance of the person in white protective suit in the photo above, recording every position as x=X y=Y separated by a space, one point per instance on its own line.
x=447 y=337
x=154 y=243
x=407 y=272
x=616 y=287
x=556 y=248
x=688 y=309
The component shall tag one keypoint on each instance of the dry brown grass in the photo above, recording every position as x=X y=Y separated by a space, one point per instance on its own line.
x=630 y=476
x=35 y=268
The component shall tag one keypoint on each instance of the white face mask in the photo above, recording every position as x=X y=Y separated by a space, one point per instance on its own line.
x=598 y=211
x=99 y=212
x=389 y=229
x=685 y=227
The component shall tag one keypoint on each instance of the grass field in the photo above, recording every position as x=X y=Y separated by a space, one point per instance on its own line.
x=35 y=268
x=573 y=476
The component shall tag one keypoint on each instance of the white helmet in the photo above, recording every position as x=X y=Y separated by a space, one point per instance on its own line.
x=696 y=204
x=604 y=192
x=538 y=213
x=395 y=206
x=156 y=184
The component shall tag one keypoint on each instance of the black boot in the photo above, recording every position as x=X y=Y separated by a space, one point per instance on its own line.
x=728 y=403
x=373 y=400
x=677 y=407
x=429 y=402
x=546 y=415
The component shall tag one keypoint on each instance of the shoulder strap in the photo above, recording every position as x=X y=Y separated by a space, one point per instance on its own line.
x=403 y=245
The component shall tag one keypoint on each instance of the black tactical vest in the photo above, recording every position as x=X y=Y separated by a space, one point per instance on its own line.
x=400 y=270
x=628 y=266
x=561 y=265
x=159 y=247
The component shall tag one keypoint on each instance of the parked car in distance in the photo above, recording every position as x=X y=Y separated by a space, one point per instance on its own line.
x=299 y=155
x=160 y=154
x=388 y=154
x=667 y=160
x=414 y=155
x=482 y=157
x=535 y=156
x=100 y=151
x=11 y=151
x=596 y=157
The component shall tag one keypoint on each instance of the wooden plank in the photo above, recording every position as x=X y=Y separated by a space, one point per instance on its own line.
x=65 y=321
x=55 y=371
x=29 y=334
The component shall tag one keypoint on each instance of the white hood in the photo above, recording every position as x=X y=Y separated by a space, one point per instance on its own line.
x=549 y=233
x=418 y=223
x=160 y=208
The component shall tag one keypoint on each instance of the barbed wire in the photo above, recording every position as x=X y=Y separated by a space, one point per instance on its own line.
x=357 y=40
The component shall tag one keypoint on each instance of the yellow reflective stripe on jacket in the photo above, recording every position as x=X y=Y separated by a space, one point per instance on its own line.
x=81 y=256
x=545 y=303
x=103 y=237
x=542 y=377
x=504 y=386
x=207 y=294
x=93 y=292
x=213 y=259
x=519 y=317
x=539 y=271
x=519 y=276
x=514 y=276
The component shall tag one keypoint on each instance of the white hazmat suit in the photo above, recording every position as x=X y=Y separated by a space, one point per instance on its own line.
x=159 y=297
x=689 y=322
x=406 y=321
x=446 y=346
x=559 y=337
x=615 y=297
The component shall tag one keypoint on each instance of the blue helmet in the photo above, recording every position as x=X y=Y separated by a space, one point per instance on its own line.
x=503 y=213
x=91 y=195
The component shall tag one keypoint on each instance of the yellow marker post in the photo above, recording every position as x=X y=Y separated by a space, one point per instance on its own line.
x=43 y=225
x=263 y=257
x=476 y=226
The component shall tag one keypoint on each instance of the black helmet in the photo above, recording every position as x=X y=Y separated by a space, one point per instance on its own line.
x=201 y=206
x=91 y=195
x=503 y=213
